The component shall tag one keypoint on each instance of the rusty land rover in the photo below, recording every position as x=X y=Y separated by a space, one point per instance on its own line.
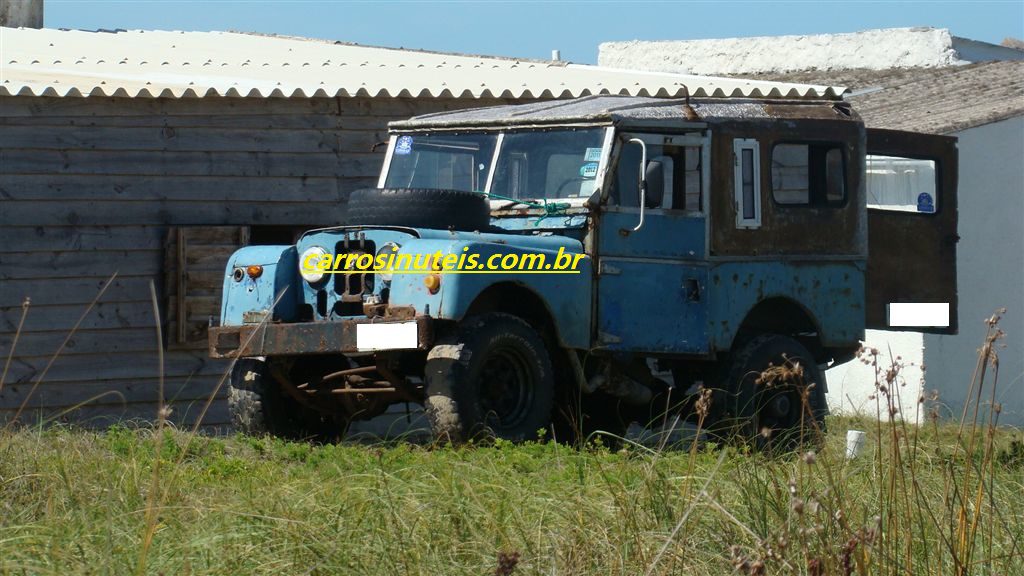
x=732 y=249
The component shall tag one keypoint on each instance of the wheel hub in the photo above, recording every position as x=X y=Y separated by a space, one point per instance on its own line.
x=780 y=406
x=505 y=388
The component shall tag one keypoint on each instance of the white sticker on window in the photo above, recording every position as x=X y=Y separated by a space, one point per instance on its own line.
x=404 y=145
x=592 y=155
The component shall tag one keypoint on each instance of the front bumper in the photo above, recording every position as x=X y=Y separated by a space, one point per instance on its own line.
x=329 y=337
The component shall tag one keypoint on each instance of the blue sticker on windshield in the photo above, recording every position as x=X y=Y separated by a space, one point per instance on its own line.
x=925 y=203
x=589 y=170
x=404 y=145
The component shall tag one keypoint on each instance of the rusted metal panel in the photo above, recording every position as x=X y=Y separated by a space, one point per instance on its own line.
x=652 y=306
x=630 y=112
x=789 y=229
x=830 y=293
x=665 y=234
x=299 y=338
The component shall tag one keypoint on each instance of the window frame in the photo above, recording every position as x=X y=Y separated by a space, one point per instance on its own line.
x=690 y=139
x=833 y=205
x=739 y=145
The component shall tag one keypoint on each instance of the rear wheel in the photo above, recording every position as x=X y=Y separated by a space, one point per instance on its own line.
x=775 y=395
x=492 y=377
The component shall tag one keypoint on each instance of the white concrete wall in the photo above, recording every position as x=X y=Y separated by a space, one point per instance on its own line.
x=871 y=49
x=990 y=268
x=853 y=387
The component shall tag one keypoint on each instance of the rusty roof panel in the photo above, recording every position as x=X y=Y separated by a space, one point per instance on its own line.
x=628 y=110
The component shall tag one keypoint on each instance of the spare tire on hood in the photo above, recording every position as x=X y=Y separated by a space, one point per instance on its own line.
x=418 y=208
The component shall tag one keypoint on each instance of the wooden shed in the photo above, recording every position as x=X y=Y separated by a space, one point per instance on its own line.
x=145 y=158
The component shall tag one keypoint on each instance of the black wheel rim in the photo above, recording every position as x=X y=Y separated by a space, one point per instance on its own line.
x=779 y=411
x=506 y=388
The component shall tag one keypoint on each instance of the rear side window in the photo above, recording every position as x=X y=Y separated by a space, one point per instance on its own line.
x=901 y=184
x=808 y=174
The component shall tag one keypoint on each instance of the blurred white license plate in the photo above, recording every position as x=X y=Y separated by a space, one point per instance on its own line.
x=395 y=336
x=919 y=315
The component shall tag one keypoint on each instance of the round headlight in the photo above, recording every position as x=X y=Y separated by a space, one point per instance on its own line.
x=313 y=255
x=386 y=251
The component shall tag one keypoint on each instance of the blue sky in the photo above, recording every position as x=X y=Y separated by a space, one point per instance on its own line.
x=533 y=29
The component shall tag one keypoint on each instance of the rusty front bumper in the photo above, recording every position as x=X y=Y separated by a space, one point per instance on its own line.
x=302 y=338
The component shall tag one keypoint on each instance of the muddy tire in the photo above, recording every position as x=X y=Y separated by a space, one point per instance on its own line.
x=492 y=378
x=418 y=208
x=775 y=396
x=258 y=407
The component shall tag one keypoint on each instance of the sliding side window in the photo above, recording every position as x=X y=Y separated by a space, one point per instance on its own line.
x=747 y=183
x=808 y=174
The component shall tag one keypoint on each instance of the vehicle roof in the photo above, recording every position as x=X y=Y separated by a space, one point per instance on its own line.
x=630 y=111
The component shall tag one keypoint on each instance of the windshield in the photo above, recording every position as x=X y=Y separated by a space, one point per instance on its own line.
x=449 y=161
x=558 y=163
x=550 y=164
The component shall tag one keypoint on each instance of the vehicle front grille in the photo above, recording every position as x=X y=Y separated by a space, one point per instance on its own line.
x=352 y=287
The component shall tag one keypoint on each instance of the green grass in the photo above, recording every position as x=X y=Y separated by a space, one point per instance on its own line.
x=933 y=499
x=76 y=502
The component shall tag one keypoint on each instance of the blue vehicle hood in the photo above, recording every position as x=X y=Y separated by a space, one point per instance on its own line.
x=541 y=240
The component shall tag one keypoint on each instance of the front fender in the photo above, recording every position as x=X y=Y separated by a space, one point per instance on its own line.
x=249 y=300
x=566 y=295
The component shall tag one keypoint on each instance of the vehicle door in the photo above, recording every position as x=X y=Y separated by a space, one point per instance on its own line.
x=911 y=186
x=651 y=246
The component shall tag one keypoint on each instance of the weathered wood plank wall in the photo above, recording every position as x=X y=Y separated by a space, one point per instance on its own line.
x=91 y=186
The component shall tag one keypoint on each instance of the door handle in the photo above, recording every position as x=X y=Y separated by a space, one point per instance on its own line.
x=691 y=287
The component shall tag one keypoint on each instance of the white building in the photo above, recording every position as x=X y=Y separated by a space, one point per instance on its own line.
x=924 y=80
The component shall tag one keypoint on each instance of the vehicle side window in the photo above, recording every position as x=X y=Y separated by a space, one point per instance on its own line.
x=901 y=184
x=691 y=188
x=747 y=182
x=682 y=170
x=808 y=174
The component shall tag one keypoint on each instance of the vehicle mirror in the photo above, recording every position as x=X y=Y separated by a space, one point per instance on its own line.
x=642 y=177
x=654 y=180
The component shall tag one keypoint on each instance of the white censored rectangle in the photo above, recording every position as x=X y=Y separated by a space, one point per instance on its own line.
x=396 y=336
x=919 y=314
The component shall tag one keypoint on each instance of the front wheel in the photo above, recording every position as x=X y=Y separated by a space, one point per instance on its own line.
x=492 y=377
x=259 y=407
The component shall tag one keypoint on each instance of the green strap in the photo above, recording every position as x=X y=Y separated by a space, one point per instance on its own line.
x=550 y=209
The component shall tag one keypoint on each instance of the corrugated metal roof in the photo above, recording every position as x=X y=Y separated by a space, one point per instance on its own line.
x=932 y=100
x=157 y=64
